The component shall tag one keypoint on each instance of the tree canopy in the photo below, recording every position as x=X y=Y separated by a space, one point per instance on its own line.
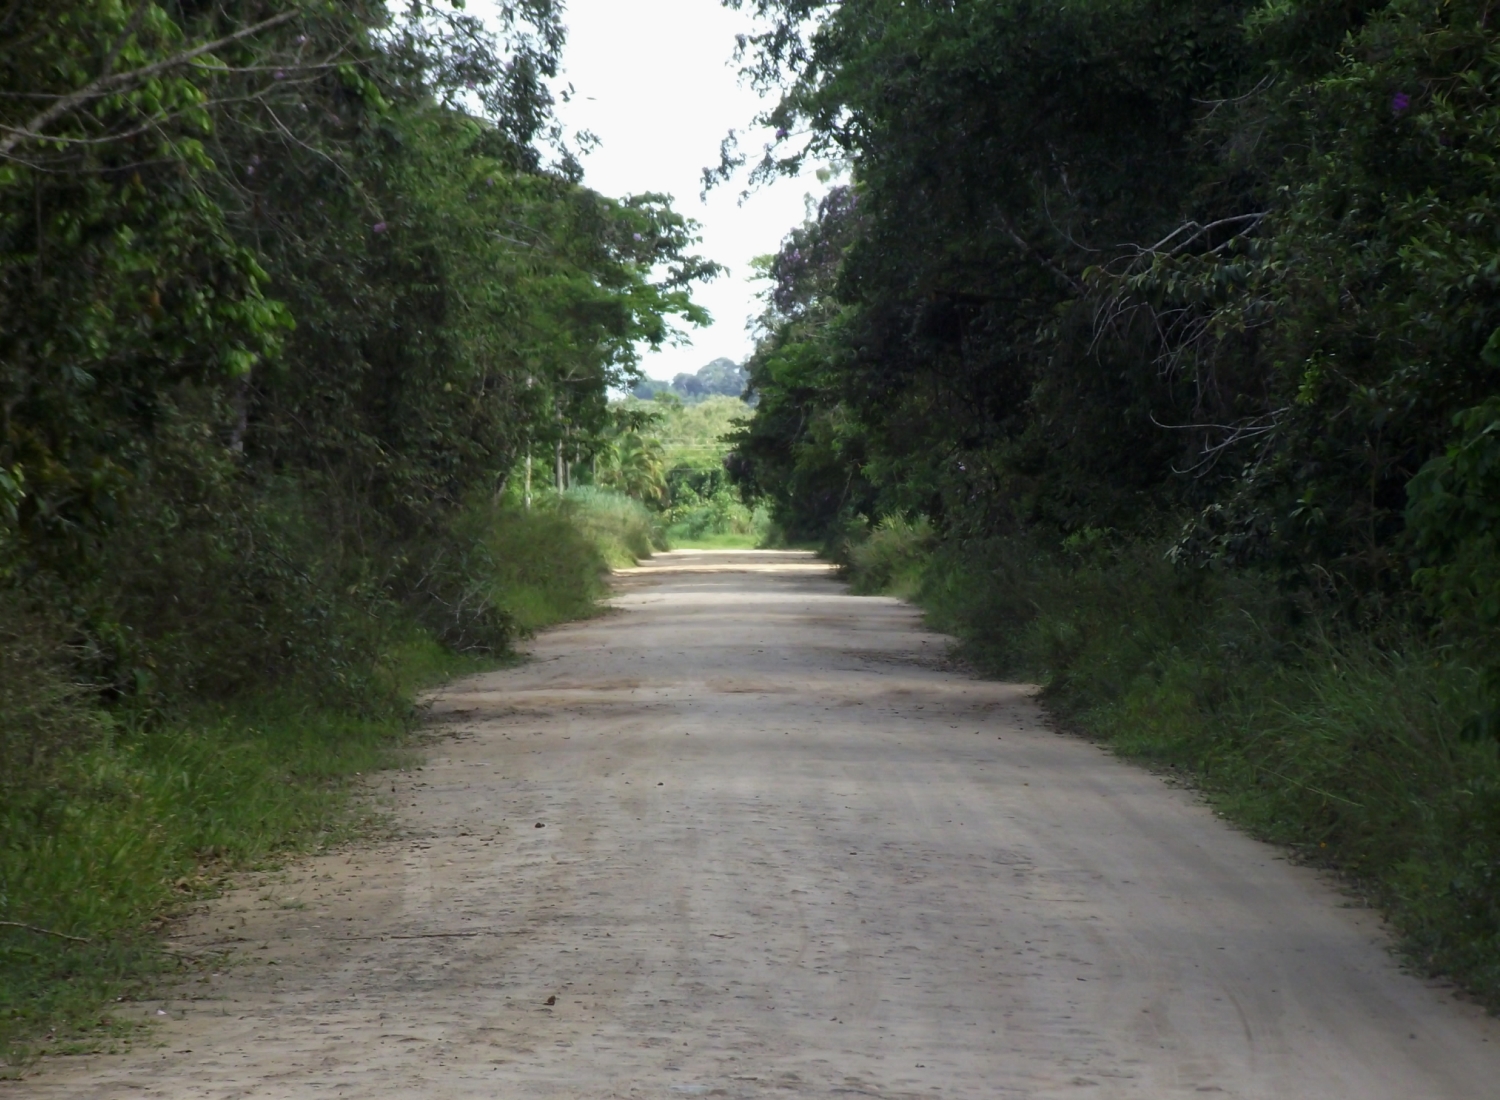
x=1223 y=272
x=277 y=267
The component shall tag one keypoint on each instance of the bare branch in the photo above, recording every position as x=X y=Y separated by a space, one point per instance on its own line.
x=1260 y=86
x=40 y=931
x=111 y=82
x=1198 y=230
x=1025 y=246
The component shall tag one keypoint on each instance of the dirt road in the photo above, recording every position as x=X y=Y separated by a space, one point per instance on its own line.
x=749 y=837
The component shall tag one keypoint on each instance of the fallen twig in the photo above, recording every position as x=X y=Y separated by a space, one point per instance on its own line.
x=41 y=931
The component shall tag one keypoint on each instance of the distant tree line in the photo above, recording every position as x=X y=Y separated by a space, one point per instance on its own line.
x=721 y=378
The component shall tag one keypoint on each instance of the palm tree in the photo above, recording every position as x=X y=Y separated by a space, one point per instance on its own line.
x=638 y=468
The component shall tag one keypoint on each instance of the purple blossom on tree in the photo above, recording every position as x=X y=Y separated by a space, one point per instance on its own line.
x=1400 y=102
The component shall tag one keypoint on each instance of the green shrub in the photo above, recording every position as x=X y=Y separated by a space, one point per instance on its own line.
x=892 y=557
x=44 y=712
x=621 y=529
x=721 y=512
x=208 y=584
x=1454 y=518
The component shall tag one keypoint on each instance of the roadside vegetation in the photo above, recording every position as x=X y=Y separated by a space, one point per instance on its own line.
x=297 y=299
x=674 y=460
x=1153 y=348
x=1350 y=747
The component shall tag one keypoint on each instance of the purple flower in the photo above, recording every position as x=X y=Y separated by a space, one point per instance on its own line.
x=280 y=74
x=378 y=227
x=637 y=236
x=1400 y=102
x=780 y=132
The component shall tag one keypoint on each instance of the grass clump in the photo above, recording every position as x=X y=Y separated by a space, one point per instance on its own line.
x=891 y=557
x=620 y=528
x=1348 y=745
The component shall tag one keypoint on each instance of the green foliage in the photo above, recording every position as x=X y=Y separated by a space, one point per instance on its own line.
x=278 y=309
x=44 y=711
x=1454 y=514
x=636 y=465
x=891 y=557
x=131 y=826
x=687 y=445
x=503 y=570
x=693 y=435
x=1230 y=273
x=705 y=505
x=621 y=530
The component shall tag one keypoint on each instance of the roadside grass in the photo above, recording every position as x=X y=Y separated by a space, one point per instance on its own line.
x=622 y=529
x=141 y=812
x=1346 y=746
x=892 y=559
x=150 y=818
x=725 y=541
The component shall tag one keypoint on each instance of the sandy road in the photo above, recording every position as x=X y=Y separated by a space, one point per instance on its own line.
x=786 y=853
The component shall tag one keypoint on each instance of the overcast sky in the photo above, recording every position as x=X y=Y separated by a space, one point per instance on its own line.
x=656 y=82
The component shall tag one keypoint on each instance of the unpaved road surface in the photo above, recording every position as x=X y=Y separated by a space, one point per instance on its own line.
x=786 y=852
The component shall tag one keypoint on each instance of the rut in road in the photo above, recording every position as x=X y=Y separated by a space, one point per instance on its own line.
x=750 y=837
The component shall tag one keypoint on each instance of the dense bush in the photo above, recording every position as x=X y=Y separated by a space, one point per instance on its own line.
x=888 y=558
x=672 y=457
x=1229 y=278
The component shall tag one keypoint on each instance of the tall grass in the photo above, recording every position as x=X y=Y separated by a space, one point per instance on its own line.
x=1344 y=745
x=113 y=817
x=892 y=557
x=621 y=528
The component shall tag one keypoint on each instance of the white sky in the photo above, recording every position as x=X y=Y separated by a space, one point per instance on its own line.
x=656 y=82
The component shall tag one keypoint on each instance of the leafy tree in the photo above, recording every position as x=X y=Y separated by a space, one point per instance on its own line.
x=637 y=467
x=1132 y=266
x=286 y=285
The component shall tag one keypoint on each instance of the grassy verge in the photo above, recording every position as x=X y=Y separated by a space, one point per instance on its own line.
x=145 y=820
x=141 y=813
x=723 y=541
x=1341 y=745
